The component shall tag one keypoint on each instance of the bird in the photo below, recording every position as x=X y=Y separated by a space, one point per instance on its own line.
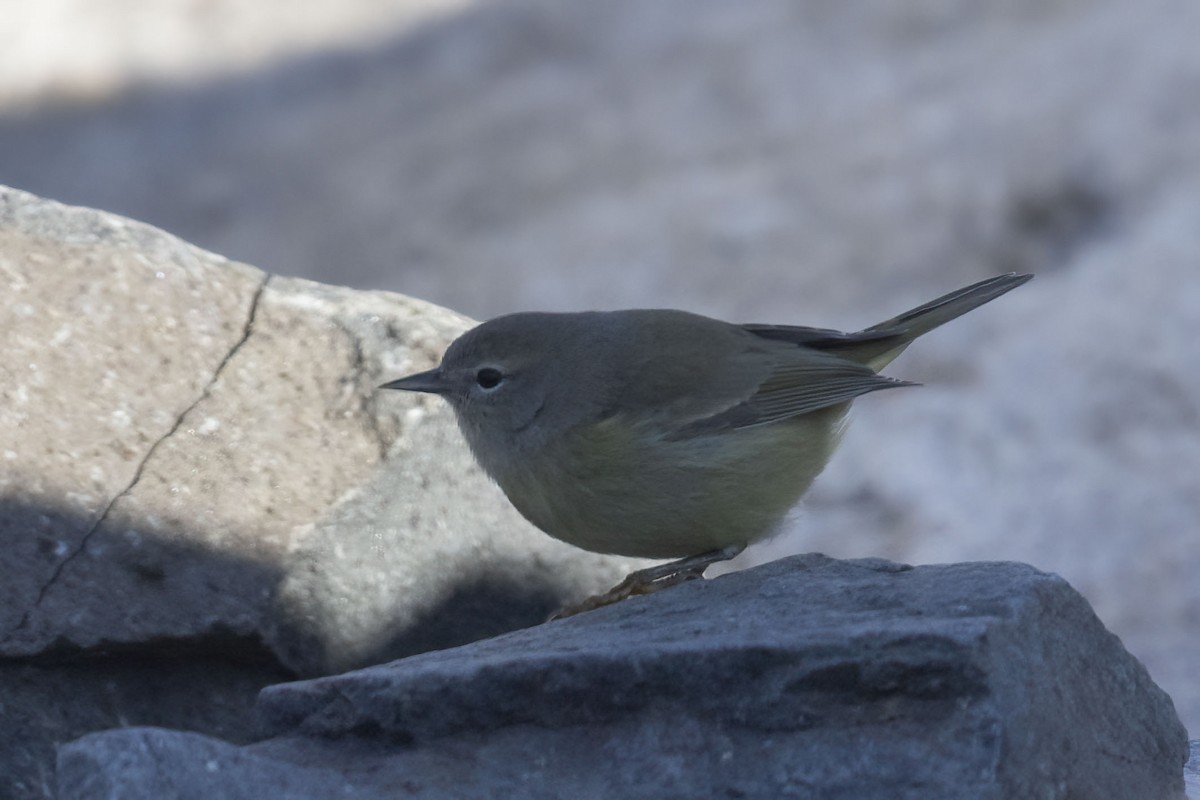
x=665 y=434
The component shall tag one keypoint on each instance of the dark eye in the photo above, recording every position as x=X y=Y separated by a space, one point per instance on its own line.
x=489 y=378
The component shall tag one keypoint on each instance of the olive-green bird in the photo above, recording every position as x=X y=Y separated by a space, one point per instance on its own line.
x=666 y=434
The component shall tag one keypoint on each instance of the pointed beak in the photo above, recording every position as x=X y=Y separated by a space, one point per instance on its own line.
x=430 y=381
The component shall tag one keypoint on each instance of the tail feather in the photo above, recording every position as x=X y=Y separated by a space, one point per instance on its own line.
x=901 y=330
x=879 y=344
x=928 y=316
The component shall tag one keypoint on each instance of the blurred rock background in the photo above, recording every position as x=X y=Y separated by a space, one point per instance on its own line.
x=820 y=163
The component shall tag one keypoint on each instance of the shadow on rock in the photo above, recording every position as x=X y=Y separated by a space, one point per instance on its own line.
x=104 y=629
x=480 y=607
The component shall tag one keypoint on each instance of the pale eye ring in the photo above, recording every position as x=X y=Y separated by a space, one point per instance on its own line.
x=488 y=378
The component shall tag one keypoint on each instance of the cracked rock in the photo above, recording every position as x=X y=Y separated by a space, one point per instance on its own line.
x=806 y=678
x=195 y=460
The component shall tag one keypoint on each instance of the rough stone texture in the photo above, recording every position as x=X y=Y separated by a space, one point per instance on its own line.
x=112 y=331
x=196 y=465
x=805 y=678
x=207 y=688
x=821 y=163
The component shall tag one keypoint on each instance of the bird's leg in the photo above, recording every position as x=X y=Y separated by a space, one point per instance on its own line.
x=652 y=579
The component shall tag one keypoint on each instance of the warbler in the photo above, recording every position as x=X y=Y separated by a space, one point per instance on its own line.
x=661 y=433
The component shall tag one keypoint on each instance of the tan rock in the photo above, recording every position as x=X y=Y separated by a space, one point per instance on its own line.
x=193 y=449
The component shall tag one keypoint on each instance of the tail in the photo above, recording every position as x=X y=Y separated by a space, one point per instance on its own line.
x=925 y=318
x=878 y=345
x=881 y=343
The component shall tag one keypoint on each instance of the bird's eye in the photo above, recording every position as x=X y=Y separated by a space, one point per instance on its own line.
x=488 y=378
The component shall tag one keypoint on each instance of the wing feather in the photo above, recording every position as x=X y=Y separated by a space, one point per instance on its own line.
x=803 y=381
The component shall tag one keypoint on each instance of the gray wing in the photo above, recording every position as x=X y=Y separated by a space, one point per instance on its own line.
x=803 y=381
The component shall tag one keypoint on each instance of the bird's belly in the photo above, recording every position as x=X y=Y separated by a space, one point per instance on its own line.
x=610 y=491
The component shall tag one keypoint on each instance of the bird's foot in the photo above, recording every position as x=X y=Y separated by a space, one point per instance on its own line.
x=653 y=579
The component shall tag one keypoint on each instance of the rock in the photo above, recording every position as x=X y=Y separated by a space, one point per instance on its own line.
x=808 y=677
x=195 y=462
x=208 y=688
x=128 y=764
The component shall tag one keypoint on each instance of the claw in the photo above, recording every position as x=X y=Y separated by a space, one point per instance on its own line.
x=652 y=579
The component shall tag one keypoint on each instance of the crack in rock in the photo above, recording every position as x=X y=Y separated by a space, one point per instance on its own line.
x=359 y=367
x=137 y=475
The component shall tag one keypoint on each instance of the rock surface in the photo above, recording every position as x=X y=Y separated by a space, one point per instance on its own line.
x=808 y=677
x=197 y=471
x=819 y=163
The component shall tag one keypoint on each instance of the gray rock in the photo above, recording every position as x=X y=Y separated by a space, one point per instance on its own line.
x=808 y=677
x=208 y=688
x=195 y=461
x=130 y=764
